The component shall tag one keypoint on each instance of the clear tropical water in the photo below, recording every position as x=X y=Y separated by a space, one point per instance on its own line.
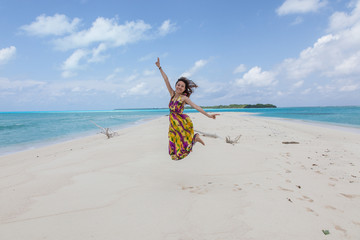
x=23 y=130
x=345 y=116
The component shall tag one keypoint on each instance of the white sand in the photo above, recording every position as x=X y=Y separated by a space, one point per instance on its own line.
x=128 y=188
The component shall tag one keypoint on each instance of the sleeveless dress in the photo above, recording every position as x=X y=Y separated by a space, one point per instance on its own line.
x=181 y=132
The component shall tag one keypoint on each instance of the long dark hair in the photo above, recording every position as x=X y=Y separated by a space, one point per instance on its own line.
x=189 y=85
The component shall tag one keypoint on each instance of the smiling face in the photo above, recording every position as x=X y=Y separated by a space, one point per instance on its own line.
x=180 y=87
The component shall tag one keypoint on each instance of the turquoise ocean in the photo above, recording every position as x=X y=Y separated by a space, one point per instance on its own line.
x=20 y=131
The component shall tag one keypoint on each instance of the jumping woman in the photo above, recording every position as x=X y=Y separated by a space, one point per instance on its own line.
x=181 y=132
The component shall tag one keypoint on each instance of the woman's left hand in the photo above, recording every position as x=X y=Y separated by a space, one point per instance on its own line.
x=213 y=116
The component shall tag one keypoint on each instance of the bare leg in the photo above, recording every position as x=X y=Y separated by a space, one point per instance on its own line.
x=198 y=139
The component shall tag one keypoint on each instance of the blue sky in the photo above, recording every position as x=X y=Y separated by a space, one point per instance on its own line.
x=100 y=55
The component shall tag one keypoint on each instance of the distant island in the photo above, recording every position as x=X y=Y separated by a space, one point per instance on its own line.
x=259 y=105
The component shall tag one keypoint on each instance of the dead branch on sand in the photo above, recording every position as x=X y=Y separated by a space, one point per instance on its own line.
x=236 y=140
x=212 y=135
x=107 y=131
x=293 y=142
x=227 y=139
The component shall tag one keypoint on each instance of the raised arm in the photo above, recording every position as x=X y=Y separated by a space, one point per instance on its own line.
x=171 y=91
x=188 y=101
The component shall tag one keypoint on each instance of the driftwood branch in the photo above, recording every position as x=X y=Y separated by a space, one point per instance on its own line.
x=293 y=142
x=212 y=135
x=227 y=139
x=107 y=131
x=236 y=140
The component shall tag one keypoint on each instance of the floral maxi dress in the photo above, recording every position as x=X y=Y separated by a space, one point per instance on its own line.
x=181 y=132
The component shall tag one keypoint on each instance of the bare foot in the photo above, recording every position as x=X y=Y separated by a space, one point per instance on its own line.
x=198 y=139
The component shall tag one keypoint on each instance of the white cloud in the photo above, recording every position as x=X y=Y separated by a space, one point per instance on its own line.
x=96 y=53
x=68 y=74
x=215 y=89
x=300 y=6
x=139 y=89
x=280 y=93
x=104 y=30
x=349 y=88
x=306 y=91
x=149 y=72
x=298 y=84
x=334 y=55
x=349 y=65
x=256 y=77
x=6 y=84
x=321 y=57
x=166 y=28
x=90 y=45
x=331 y=64
x=131 y=78
x=198 y=65
x=6 y=54
x=51 y=25
x=73 y=63
x=342 y=20
x=239 y=69
x=134 y=85
x=114 y=74
x=147 y=57
x=326 y=88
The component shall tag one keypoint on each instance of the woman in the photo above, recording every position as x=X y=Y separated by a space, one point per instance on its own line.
x=181 y=132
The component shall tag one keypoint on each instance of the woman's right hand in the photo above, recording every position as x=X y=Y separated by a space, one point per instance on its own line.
x=158 y=63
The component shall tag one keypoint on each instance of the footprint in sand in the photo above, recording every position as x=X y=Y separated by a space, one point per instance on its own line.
x=334 y=179
x=306 y=198
x=350 y=195
x=236 y=188
x=197 y=189
x=285 y=189
x=203 y=189
x=186 y=188
x=330 y=207
x=333 y=208
x=356 y=223
x=312 y=211
x=340 y=229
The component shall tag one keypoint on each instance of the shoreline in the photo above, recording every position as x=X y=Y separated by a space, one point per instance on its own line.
x=78 y=136
x=128 y=187
x=70 y=137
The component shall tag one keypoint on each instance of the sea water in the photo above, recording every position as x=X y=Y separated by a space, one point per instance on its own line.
x=24 y=130
x=344 y=116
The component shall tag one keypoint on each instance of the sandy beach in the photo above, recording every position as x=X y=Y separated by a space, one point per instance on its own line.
x=127 y=187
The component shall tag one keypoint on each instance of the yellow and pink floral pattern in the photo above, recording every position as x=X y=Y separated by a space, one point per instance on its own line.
x=181 y=132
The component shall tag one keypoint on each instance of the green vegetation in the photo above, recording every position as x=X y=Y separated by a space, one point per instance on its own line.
x=259 y=105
